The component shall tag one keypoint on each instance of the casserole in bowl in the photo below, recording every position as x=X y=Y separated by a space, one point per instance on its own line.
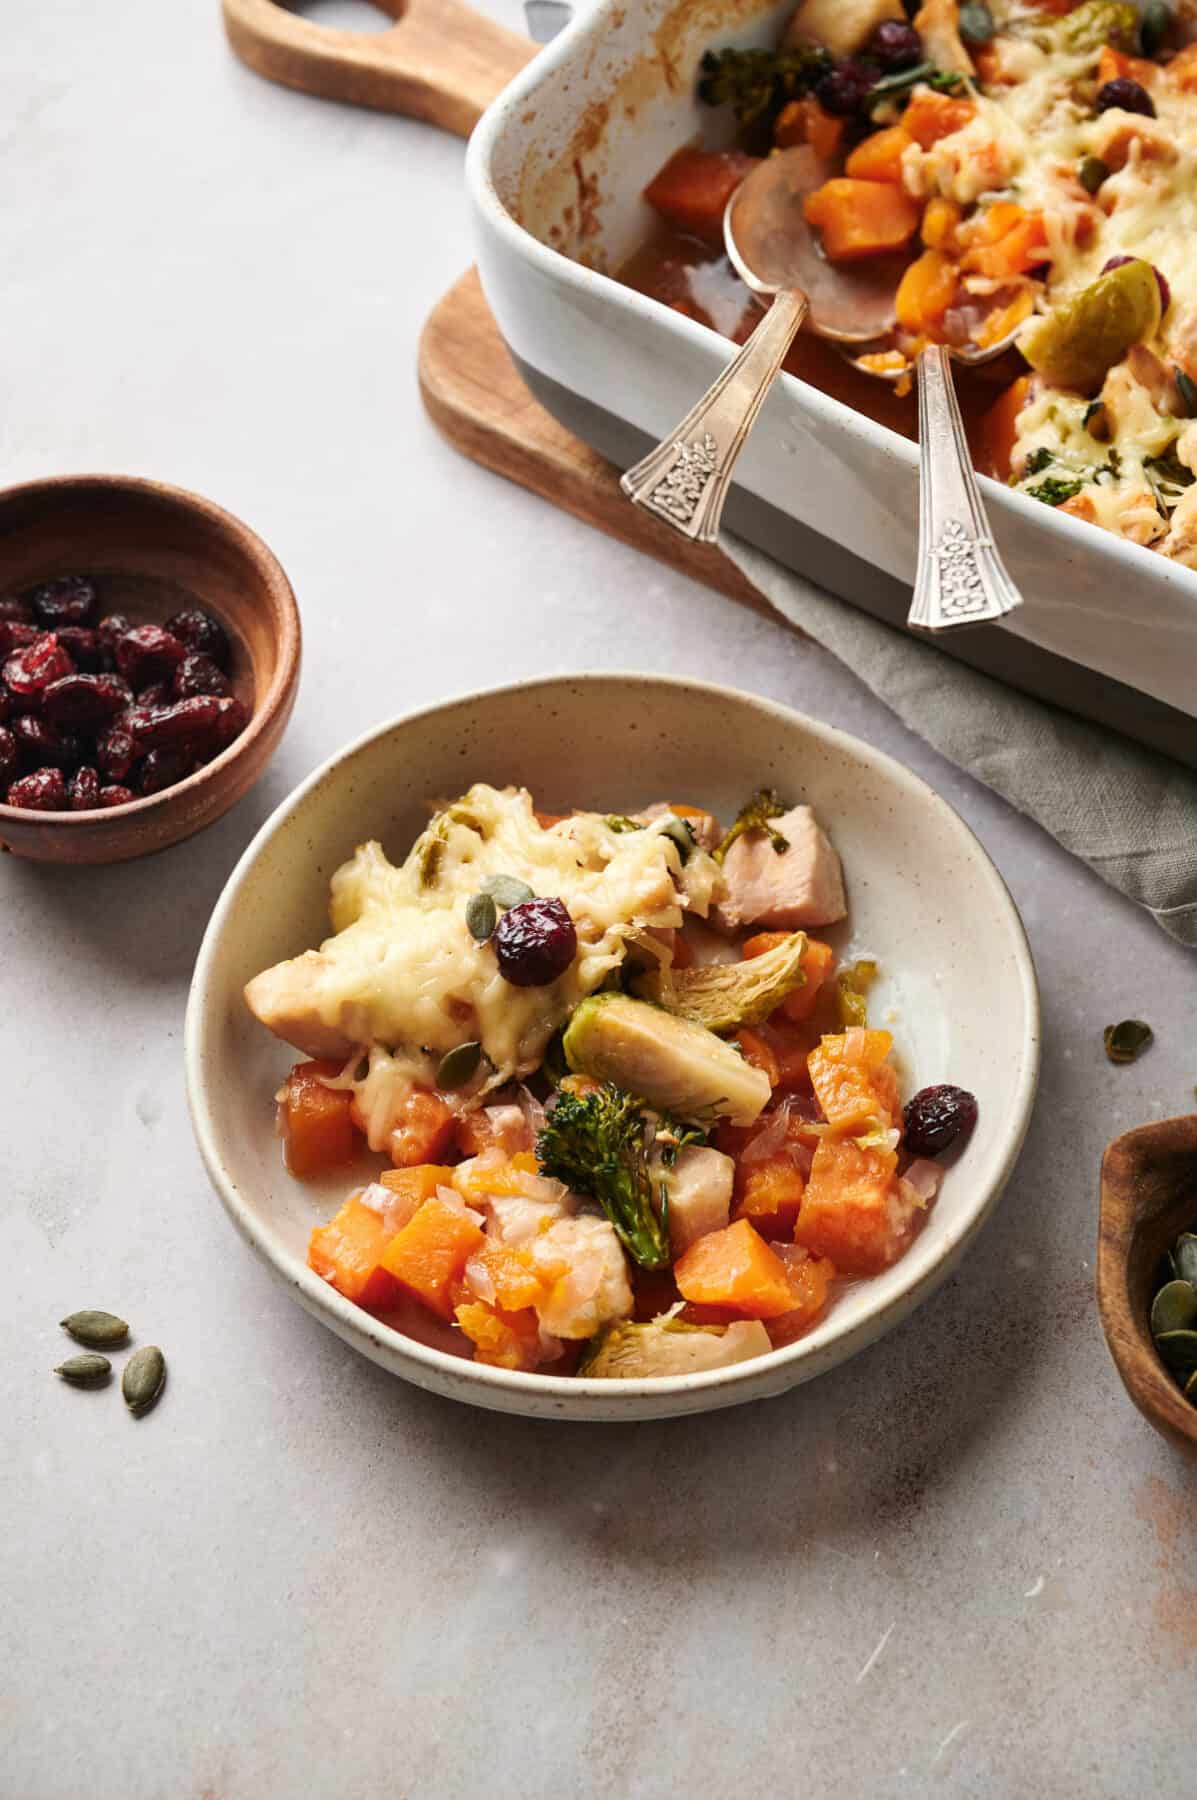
x=557 y=170
x=954 y=980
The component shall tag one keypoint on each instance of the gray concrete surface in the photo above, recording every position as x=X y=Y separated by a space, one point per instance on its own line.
x=961 y=1564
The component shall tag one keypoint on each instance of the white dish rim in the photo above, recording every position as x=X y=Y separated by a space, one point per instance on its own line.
x=1069 y=532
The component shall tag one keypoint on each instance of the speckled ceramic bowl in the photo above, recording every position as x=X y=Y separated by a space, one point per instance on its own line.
x=958 y=982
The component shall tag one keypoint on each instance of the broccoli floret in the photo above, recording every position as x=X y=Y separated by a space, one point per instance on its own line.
x=758 y=83
x=755 y=817
x=598 y=1144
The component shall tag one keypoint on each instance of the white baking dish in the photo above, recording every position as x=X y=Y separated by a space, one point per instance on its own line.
x=555 y=171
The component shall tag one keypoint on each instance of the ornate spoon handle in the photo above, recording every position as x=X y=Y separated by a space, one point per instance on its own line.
x=961 y=578
x=685 y=479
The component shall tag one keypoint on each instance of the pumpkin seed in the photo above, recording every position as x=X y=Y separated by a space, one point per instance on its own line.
x=1178 y=1349
x=88 y=1370
x=1091 y=172
x=458 y=1066
x=1174 y=1308
x=142 y=1381
x=482 y=915
x=102 y=1330
x=976 y=24
x=1187 y=389
x=1154 y=21
x=1127 y=1040
x=1191 y=1386
x=506 y=891
x=1184 y=1257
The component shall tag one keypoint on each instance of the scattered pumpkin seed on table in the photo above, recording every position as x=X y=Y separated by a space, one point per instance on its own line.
x=1127 y=1040
x=88 y=1370
x=143 y=1379
x=99 y=1330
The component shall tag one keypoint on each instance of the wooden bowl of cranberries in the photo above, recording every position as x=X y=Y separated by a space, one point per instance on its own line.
x=149 y=659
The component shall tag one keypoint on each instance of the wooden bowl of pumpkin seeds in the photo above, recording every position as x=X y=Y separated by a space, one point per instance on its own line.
x=1147 y=1271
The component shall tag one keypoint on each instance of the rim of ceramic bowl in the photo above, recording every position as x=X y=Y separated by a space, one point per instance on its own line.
x=288 y=641
x=716 y=1387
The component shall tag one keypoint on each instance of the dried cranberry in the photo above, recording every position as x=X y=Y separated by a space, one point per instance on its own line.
x=83 y=789
x=1126 y=95
x=156 y=694
x=161 y=769
x=9 y=704
x=42 y=744
x=842 y=92
x=15 y=636
x=16 y=611
x=111 y=627
x=71 y=600
x=31 y=670
x=199 y=674
x=147 y=653
x=187 y=725
x=896 y=45
x=85 y=702
x=9 y=757
x=116 y=753
x=936 y=1117
x=534 y=942
x=1161 y=280
x=84 y=647
x=233 y=717
x=43 y=791
x=199 y=630
x=115 y=796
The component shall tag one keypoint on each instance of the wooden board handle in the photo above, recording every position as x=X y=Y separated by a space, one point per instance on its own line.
x=441 y=61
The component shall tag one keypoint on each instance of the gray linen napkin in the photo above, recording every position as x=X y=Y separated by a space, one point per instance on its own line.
x=1130 y=813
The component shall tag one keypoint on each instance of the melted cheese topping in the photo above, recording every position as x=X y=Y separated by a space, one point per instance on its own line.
x=1031 y=131
x=403 y=977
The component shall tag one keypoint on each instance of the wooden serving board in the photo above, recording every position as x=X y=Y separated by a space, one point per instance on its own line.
x=479 y=404
x=441 y=61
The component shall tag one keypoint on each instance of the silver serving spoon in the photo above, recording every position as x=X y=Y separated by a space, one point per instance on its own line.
x=685 y=479
x=960 y=579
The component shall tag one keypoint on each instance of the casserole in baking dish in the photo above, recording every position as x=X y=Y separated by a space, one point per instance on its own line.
x=557 y=170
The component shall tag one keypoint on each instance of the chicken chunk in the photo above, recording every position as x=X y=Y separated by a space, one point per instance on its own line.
x=802 y=886
x=938 y=24
x=287 y=1000
x=700 y=1193
x=582 y=1266
x=841 y=26
x=1181 y=541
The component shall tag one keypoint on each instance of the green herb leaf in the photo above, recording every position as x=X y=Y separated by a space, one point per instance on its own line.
x=1187 y=389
